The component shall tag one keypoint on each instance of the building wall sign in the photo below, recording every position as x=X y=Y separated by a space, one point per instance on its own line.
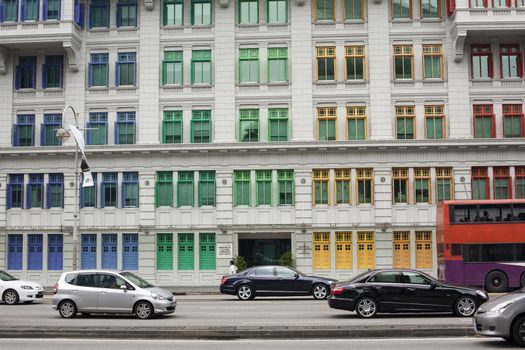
x=303 y=250
x=225 y=250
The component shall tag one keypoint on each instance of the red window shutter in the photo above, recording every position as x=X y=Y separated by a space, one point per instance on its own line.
x=493 y=125
x=485 y=3
x=509 y=3
x=491 y=67
x=451 y=7
x=520 y=65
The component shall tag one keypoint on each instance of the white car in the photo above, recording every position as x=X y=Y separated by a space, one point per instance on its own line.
x=14 y=290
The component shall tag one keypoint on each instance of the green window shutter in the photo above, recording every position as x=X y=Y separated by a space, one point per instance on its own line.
x=201 y=12
x=325 y=10
x=241 y=190
x=263 y=179
x=185 y=189
x=207 y=260
x=172 y=68
x=277 y=11
x=354 y=9
x=327 y=129
x=248 y=65
x=342 y=192
x=285 y=183
x=278 y=64
x=249 y=125
x=173 y=13
x=248 y=11
x=356 y=128
x=164 y=189
x=443 y=189
x=520 y=187
x=172 y=127
x=164 y=251
x=201 y=126
x=186 y=251
x=207 y=188
x=479 y=189
x=278 y=124
x=201 y=67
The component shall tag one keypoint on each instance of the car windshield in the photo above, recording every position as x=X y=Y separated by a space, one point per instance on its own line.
x=137 y=280
x=358 y=277
x=4 y=276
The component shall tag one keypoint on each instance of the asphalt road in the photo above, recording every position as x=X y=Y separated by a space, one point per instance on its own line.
x=222 y=311
x=310 y=344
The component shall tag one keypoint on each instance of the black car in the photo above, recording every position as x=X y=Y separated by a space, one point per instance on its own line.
x=272 y=281
x=395 y=290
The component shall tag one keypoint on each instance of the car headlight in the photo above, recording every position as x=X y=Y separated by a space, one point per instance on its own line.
x=27 y=287
x=498 y=310
x=482 y=293
x=157 y=297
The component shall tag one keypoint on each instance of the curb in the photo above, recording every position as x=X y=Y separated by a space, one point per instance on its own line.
x=229 y=333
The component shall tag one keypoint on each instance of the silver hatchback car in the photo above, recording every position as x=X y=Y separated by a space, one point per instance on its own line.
x=99 y=291
x=503 y=317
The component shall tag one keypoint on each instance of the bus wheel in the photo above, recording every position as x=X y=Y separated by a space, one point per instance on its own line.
x=496 y=282
x=522 y=280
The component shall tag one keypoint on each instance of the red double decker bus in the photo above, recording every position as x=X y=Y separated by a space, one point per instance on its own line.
x=482 y=243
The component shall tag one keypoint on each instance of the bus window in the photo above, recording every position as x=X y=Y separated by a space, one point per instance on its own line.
x=456 y=250
x=519 y=212
x=471 y=253
x=520 y=252
x=492 y=213
x=463 y=213
x=497 y=252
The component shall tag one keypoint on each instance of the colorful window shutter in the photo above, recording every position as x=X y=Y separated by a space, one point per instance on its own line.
x=207 y=251
x=34 y=251
x=130 y=251
x=186 y=251
x=322 y=250
x=164 y=251
x=343 y=251
x=423 y=250
x=109 y=251
x=365 y=250
x=55 y=251
x=14 y=255
x=88 y=254
x=401 y=245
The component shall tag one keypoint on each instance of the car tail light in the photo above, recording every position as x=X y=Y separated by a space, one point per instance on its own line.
x=55 y=288
x=337 y=291
x=223 y=279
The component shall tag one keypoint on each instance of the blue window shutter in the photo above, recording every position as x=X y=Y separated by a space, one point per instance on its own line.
x=14 y=257
x=48 y=196
x=88 y=259
x=44 y=10
x=81 y=196
x=34 y=252
x=23 y=11
x=117 y=126
x=55 y=252
x=82 y=15
x=15 y=135
x=18 y=77
x=1 y=11
x=117 y=74
x=90 y=75
x=42 y=135
x=9 y=201
x=103 y=194
x=91 y=19
x=119 y=20
x=44 y=76
x=130 y=251
x=28 y=197
x=62 y=192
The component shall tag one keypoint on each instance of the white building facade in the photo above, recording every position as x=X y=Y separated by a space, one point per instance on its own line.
x=328 y=129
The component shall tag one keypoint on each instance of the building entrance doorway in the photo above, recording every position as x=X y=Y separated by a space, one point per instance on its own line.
x=264 y=248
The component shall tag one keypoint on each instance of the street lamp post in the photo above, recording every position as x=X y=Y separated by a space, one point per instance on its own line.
x=63 y=134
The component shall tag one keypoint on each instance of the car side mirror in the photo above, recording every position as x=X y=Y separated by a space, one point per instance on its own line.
x=433 y=284
x=124 y=288
x=296 y=276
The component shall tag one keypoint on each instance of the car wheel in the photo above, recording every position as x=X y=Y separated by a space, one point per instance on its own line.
x=320 y=291
x=245 y=292
x=496 y=282
x=465 y=306
x=67 y=309
x=518 y=331
x=11 y=297
x=143 y=310
x=366 y=307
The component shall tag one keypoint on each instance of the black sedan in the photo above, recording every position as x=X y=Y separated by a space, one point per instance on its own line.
x=403 y=291
x=274 y=281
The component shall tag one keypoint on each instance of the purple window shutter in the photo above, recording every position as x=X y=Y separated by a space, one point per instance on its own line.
x=59 y=9
x=9 y=203
x=15 y=135
x=1 y=11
